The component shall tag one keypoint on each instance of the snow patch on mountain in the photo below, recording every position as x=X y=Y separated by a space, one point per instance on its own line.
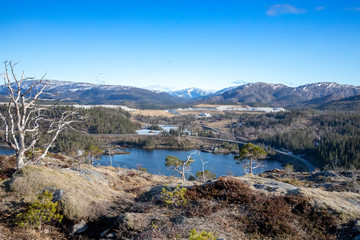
x=191 y=93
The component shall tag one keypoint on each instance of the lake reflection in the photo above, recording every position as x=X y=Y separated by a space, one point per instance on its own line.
x=154 y=161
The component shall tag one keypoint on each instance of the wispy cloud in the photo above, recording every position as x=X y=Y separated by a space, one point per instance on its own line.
x=319 y=8
x=356 y=9
x=239 y=82
x=278 y=9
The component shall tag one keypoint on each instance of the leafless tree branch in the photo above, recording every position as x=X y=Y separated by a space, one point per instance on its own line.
x=24 y=115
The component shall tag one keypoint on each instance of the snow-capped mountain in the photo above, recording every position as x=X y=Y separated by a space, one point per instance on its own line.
x=282 y=95
x=88 y=93
x=225 y=90
x=265 y=93
x=190 y=93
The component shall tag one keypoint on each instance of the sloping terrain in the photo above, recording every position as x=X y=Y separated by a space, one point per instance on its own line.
x=284 y=96
x=117 y=203
x=191 y=93
x=346 y=104
x=276 y=95
x=94 y=94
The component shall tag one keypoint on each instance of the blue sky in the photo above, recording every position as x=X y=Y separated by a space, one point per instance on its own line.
x=188 y=43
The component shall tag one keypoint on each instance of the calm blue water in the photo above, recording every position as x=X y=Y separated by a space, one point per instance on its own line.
x=6 y=151
x=154 y=161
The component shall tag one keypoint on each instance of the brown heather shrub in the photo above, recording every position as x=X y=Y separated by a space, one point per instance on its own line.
x=7 y=167
x=263 y=215
x=203 y=208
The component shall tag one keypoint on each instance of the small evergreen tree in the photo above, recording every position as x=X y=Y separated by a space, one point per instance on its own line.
x=204 y=175
x=93 y=151
x=250 y=154
x=181 y=166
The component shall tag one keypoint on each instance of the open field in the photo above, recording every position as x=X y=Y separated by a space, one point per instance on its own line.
x=154 y=113
x=217 y=105
x=197 y=112
x=221 y=124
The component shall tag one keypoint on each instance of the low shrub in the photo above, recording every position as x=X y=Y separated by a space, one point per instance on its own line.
x=7 y=167
x=43 y=210
x=262 y=215
x=174 y=198
x=194 y=235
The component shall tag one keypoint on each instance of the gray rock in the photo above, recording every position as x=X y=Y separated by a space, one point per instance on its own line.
x=271 y=185
x=140 y=221
x=325 y=174
x=79 y=227
x=57 y=195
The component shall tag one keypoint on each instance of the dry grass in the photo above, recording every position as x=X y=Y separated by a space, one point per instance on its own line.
x=197 y=112
x=346 y=204
x=234 y=207
x=88 y=193
x=259 y=214
x=216 y=105
x=221 y=124
x=85 y=195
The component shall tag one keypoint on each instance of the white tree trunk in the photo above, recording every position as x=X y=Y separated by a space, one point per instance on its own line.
x=20 y=155
x=251 y=166
x=23 y=115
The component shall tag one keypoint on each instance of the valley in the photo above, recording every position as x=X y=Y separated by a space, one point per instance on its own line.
x=119 y=162
x=180 y=120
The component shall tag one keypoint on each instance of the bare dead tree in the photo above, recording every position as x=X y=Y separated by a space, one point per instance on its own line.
x=203 y=166
x=22 y=116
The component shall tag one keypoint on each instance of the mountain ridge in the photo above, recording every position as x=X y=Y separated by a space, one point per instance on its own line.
x=190 y=93
x=277 y=95
x=284 y=96
x=96 y=94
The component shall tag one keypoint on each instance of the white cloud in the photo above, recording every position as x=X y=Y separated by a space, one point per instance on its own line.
x=319 y=8
x=239 y=82
x=278 y=9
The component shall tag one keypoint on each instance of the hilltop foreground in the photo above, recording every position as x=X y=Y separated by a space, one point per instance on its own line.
x=116 y=203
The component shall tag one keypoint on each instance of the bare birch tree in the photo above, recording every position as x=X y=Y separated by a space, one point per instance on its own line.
x=22 y=116
x=203 y=167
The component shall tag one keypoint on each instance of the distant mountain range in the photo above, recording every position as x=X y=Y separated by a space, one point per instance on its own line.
x=191 y=93
x=311 y=95
x=345 y=104
x=284 y=96
x=95 y=94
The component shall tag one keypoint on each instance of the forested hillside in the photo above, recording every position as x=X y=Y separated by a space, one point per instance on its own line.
x=330 y=139
x=98 y=120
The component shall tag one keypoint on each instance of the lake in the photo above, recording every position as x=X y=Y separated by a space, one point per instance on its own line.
x=6 y=151
x=154 y=162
